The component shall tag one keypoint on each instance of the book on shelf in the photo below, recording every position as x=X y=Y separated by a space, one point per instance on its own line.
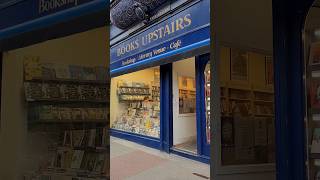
x=32 y=67
x=62 y=71
x=315 y=93
x=315 y=145
x=89 y=73
x=260 y=132
x=77 y=159
x=33 y=91
x=227 y=131
x=76 y=72
x=77 y=137
x=314 y=54
x=48 y=71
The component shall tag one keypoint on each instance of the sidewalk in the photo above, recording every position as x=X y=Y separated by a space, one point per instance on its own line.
x=131 y=161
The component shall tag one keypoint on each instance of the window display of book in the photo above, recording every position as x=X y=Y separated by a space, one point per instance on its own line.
x=140 y=117
x=141 y=108
x=247 y=114
x=73 y=100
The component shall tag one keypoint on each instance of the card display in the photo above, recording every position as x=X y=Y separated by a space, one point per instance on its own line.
x=140 y=104
x=72 y=99
x=53 y=91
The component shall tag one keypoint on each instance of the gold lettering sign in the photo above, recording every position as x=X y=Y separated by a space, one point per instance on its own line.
x=162 y=32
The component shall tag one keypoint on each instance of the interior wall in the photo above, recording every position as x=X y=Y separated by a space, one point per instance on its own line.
x=143 y=76
x=21 y=149
x=184 y=125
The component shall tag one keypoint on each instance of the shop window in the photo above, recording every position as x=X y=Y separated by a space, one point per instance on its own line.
x=312 y=82
x=135 y=102
x=247 y=107
x=57 y=109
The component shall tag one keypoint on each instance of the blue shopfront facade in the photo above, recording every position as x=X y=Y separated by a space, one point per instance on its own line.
x=26 y=22
x=173 y=32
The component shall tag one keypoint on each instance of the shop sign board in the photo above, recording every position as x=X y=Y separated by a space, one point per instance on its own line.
x=189 y=28
x=16 y=12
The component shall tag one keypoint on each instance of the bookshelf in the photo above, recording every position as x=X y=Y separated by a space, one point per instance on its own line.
x=256 y=108
x=74 y=106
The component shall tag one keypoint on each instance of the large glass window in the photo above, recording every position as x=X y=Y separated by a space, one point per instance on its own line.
x=247 y=107
x=135 y=102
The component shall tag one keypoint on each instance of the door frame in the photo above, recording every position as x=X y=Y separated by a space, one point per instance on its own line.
x=166 y=114
x=200 y=65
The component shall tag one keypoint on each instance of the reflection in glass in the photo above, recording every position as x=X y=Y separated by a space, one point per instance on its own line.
x=247 y=109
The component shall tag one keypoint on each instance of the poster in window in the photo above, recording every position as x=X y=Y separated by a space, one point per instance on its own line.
x=269 y=70
x=239 y=65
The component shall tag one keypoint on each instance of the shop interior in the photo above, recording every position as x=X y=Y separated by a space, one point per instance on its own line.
x=55 y=109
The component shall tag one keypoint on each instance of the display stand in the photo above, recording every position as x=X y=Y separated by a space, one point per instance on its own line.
x=74 y=110
x=247 y=114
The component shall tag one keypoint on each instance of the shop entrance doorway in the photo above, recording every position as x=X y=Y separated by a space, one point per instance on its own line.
x=191 y=107
x=184 y=106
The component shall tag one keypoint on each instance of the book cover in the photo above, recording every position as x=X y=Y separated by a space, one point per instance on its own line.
x=77 y=137
x=90 y=161
x=315 y=93
x=100 y=161
x=89 y=73
x=76 y=72
x=33 y=91
x=315 y=145
x=48 y=71
x=62 y=71
x=67 y=140
x=260 y=131
x=92 y=138
x=227 y=131
x=77 y=159
x=314 y=55
x=32 y=68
